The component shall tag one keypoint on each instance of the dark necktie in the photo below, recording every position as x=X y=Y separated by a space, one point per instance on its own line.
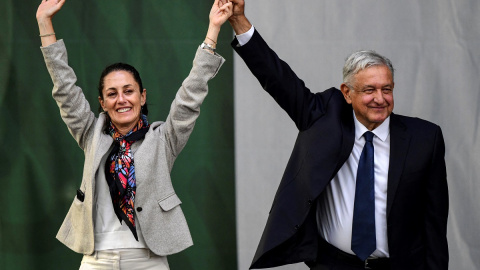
x=363 y=229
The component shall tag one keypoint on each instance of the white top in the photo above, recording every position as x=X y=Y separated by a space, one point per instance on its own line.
x=335 y=206
x=109 y=233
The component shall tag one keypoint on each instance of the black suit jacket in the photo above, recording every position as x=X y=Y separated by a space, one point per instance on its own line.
x=417 y=196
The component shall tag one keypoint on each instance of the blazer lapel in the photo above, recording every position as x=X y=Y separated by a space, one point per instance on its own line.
x=399 y=142
x=104 y=142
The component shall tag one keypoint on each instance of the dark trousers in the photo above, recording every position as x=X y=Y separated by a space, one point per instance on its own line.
x=331 y=258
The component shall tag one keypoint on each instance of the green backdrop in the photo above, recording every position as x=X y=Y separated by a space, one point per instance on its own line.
x=41 y=164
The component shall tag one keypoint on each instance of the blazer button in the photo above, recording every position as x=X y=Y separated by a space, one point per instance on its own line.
x=296 y=227
x=139 y=209
x=309 y=201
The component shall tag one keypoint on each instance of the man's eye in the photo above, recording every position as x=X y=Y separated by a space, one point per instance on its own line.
x=368 y=91
x=387 y=90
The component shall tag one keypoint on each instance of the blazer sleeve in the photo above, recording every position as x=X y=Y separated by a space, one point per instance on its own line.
x=185 y=108
x=437 y=208
x=279 y=80
x=74 y=107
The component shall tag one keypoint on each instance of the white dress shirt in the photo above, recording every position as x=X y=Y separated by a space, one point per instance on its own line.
x=245 y=37
x=335 y=205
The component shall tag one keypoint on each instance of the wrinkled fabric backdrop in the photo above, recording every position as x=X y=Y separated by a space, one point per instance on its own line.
x=435 y=49
x=229 y=171
x=41 y=165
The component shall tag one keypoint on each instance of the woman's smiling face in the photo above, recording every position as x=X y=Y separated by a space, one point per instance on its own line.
x=122 y=99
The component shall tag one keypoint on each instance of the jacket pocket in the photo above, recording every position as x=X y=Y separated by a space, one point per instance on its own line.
x=76 y=213
x=169 y=202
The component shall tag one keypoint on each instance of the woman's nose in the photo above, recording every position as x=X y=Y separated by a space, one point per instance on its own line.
x=121 y=98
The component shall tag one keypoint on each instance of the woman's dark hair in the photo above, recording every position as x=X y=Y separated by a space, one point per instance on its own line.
x=120 y=67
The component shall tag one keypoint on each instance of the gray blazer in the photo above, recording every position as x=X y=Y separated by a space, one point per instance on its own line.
x=161 y=219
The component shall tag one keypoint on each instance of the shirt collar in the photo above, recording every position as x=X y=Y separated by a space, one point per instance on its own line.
x=381 y=131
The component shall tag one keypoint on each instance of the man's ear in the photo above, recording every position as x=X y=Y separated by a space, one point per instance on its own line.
x=102 y=104
x=346 y=92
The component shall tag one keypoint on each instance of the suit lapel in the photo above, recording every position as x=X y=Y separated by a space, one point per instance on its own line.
x=348 y=137
x=399 y=142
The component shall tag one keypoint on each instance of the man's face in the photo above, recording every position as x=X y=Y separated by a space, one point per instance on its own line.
x=371 y=95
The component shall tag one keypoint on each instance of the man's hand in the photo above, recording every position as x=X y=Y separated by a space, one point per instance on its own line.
x=238 y=9
x=239 y=22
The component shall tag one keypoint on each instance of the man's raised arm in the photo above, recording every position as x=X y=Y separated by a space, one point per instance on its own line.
x=239 y=22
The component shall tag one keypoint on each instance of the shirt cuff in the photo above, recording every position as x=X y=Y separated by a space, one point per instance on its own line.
x=245 y=37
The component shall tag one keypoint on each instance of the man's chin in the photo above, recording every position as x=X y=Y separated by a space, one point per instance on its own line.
x=378 y=120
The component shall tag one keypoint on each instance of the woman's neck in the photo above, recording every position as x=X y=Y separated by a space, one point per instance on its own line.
x=125 y=129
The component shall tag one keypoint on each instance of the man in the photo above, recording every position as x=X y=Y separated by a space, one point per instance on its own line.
x=364 y=188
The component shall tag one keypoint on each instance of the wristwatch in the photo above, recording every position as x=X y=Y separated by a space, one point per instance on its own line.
x=207 y=46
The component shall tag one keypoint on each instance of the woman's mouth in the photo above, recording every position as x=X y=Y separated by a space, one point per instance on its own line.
x=123 y=110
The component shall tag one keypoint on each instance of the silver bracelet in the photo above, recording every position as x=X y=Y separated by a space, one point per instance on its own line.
x=207 y=46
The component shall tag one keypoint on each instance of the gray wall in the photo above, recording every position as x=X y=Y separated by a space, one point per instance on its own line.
x=434 y=46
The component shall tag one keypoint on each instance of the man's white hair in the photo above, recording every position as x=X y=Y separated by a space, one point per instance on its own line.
x=361 y=60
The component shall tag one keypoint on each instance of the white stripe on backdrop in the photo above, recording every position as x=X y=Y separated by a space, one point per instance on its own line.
x=434 y=46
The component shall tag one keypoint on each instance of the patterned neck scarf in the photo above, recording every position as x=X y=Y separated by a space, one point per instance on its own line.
x=120 y=172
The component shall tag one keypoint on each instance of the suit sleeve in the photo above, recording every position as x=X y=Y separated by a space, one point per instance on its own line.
x=437 y=209
x=279 y=80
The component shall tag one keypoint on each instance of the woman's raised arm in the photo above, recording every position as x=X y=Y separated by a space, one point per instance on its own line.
x=45 y=13
x=220 y=12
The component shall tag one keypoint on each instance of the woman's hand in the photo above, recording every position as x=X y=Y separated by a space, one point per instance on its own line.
x=45 y=12
x=219 y=14
x=48 y=8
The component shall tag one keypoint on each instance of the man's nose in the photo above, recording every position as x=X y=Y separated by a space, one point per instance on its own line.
x=378 y=96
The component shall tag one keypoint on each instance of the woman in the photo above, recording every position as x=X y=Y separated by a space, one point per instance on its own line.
x=126 y=212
